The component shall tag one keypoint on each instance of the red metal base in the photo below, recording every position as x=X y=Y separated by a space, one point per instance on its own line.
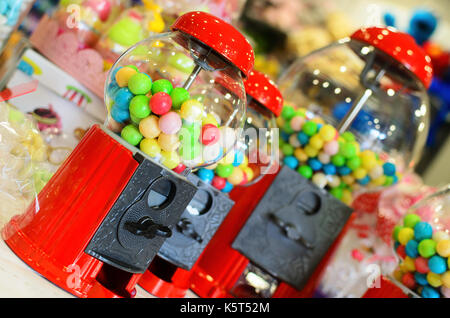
x=52 y=234
x=176 y=288
x=387 y=289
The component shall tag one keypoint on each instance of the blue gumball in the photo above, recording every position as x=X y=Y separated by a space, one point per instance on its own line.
x=206 y=175
x=112 y=90
x=120 y=115
x=411 y=249
x=228 y=187
x=422 y=25
x=344 y=170
x=430 y=292
x=291 y=162
x=437 y=264
x=389 y=169
x=421 y=279
x=302 y=138
x=285 y=136
x=364 y=181
x=315 y=164
x=422 y=231
x=238 y=158
x=329 y=169
x=123 y=98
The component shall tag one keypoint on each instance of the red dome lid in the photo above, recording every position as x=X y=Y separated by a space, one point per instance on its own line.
x=263 y=89
x=220 y=36
x=400 y=46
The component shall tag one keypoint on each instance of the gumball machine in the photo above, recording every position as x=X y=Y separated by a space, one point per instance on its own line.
x=339 y=137
x=133 y=25
x=102 y=218
x=88 y=18
x=422 y=246
x=170 y=273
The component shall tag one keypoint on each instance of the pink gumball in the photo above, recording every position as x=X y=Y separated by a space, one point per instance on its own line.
x=160 y=103
x=421 y=265
x=297 y=123
x=170 y=123
x=445 y=291
x=101 y=7
x=331 y=148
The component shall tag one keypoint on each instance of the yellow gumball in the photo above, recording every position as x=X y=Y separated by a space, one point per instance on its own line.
x=368 y=159
x=249 y=173
x=191 y=110
x=445 y=278
x=149 y=127
x=408 y=264
x=236 y=177
x=434 y=279
x=244 y=162
x=310 y=151
x=443 y=248
x=210 y=119
x=150 y=147
x=348 y=179
x=316 y=142
x=379 y=181
x=405 y=235
x=280 y=122
x=327 y=133
x=300 y=154
x=347 y=197
x=123 y=75
x=398 y=274
x=168 y=142
x=360 y=173
x=170 y=159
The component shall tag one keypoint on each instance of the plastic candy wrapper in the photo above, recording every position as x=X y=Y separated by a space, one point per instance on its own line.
x=27 y=162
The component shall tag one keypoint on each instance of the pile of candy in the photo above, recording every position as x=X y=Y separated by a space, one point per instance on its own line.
x=165 y=122
x=231 y=170
x=317 y=151
x=424 y=254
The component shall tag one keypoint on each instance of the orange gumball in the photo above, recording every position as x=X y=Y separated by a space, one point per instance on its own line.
x=236 y=176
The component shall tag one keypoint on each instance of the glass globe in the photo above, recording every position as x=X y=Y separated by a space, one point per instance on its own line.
x=422 y=246
x=177 y=99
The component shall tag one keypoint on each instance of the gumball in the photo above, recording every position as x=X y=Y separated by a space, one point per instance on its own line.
x=411 y=248
x=434 y=279
x=227 y=137
x=398 y=274
x=348 y=136
x=120 y=115
x=224 y=171
x=353 y=163
x=123 y=98
x=410 y=220
x=347 y=196
x=228 y=187
x=287 y=112
x=303 y=138
x=248 y=172
x=205 y=175
x=191 y=110
x=210 y=119
x=336 y=192
x=389 y=169
x=160 y=103
x=344 y=171
x=324 y=158
x=135 y=120
x=131 y=135
x=168 y=143
x=280 y=121
x=311 y=151
x=211 y=153
x=429 y=292
x=359 y=173
x=401 y=251
x=408 y=280
x=338 y=160
x=287 y=149
x=440 y=235
x=179 y=95
x=236 y=176
x=437 y=264
x=316 y=142
x=300 y=155
x=376 y=172
x=315 y=164
x=445 y=277
x=305 y=171
x=170 y=123
x=180 y=168
x=287 y=128
x=421 y=279
x=150 y=147
x=319 y=179
x=368 y=159
x=291 y=162
x=333 y=181
x=123 y=75
x=149 y=127
x=408 y=264
x=348 y=150
x=238 y=158
x=170 y=159
x=445 y=291
x=309 y=128
x=134 y=67
x=293 y=141
x=397 y=229
x=162 y=85
x=331 y=147
x=327 y=133
x=297 y=123
x=210 y=134
x=244 y=179
x=112 y=90
x=405 y=235
x=427 y=248
x=329 y=169
x=421 y=264
x=364 y=181
x=422 y=231
x=139 y=107
x=348 y=179
x=228 y=158
x=443 y=248
x=140 y=84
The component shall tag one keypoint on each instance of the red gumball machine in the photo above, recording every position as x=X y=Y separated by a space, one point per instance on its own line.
x=349 y=85
x=169 y=275
x=98 y=223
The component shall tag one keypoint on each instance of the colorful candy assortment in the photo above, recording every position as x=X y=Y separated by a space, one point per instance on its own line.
x=425 y=257
x=317 y=151
x=167 y=124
